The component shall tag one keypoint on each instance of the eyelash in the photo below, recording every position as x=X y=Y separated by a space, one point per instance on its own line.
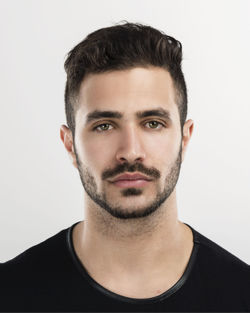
x=100 y=131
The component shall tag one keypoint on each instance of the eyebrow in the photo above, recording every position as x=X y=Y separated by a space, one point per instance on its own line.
x=97 y=114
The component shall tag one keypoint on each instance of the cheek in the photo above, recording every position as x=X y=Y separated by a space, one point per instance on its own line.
x=164 y=145
x=94 y=153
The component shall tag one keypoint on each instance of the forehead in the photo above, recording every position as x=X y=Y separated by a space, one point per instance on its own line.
x=128 y=91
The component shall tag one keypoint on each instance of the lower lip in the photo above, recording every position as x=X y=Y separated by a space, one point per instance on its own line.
x=131 y=183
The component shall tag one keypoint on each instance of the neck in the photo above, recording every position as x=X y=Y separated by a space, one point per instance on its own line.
x=105 y=227
x=135 y=248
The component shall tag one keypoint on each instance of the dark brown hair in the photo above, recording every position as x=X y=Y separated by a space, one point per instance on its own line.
x=121 y=47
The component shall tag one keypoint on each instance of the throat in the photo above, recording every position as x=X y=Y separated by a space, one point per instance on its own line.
x=125 y=273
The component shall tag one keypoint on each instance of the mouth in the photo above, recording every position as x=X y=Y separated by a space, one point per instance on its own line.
x=131 y=183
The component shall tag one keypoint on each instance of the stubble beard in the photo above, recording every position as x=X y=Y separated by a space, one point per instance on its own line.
x=118 y=211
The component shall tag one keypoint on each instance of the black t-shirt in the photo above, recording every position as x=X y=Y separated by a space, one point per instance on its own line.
x=50 y=277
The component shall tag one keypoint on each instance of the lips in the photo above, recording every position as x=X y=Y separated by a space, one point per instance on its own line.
x=129 y=177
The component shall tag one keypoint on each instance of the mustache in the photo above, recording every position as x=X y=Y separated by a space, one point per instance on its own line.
x=125 y=167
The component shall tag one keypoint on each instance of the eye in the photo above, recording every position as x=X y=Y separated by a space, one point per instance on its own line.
x=99 y=127
x=155 y=123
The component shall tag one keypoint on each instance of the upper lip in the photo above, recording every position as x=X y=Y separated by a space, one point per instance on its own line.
x=130 y=177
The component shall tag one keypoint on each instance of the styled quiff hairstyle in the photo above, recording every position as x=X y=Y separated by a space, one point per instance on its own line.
x=120 y=47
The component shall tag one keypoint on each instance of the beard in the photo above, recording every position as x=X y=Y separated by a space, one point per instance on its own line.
x=90 y=186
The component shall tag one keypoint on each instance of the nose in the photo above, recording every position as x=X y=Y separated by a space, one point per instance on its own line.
x=130 y=149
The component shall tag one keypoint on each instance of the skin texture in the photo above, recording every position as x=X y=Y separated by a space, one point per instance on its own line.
x=131 y=241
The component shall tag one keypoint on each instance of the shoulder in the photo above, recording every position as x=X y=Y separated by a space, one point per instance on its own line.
x=219 y=256
x=219 y=269
x=38 y=277
x=37 y=260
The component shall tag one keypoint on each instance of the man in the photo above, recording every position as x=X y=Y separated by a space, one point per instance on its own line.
x=127 y=135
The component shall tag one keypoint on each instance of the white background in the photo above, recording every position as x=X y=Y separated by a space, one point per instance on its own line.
x=41 y=192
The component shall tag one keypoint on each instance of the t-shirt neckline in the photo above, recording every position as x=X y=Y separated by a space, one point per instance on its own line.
x=118 y=297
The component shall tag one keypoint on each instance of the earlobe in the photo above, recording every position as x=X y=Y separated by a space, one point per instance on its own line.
x=67 y=139
x=187 y=133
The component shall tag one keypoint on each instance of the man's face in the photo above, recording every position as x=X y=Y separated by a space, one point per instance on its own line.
x=128 y=142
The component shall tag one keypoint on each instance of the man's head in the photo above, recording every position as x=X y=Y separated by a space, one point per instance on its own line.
x=123 y=47
x=128 y=78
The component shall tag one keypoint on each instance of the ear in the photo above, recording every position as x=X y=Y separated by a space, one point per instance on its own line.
x=67 y=139
x=187 y=133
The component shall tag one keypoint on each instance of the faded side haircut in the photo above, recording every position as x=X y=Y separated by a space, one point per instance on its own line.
x=123 y=46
